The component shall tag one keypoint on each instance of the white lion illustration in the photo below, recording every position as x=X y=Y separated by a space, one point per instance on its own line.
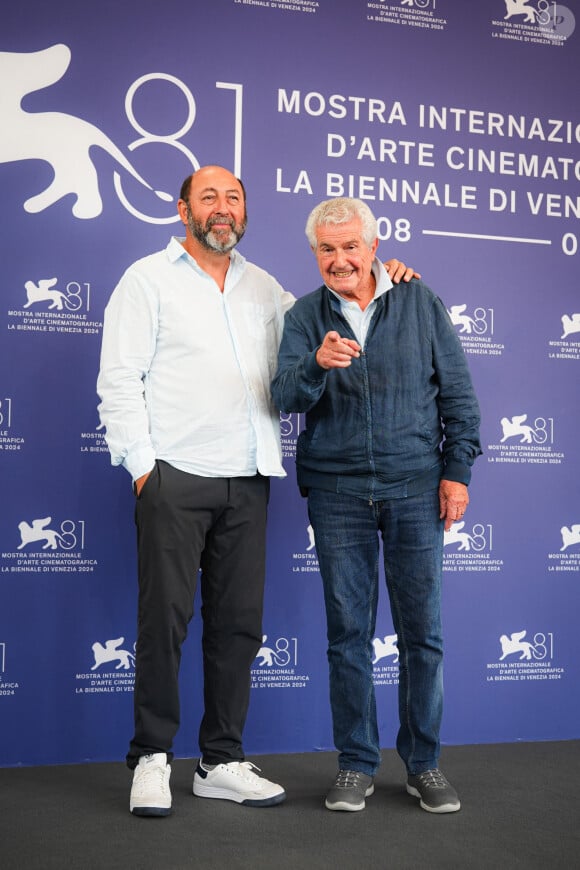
x=454 y=535
x=37 y=531
x=519 y=7
x=266 y=654
x=61 y=140
x=515 y=644
x=385 y=648
x=458 y=318
x=110 y=652
x=512 y=428
x=570 y=324
x=570 y=536
x=43 y=293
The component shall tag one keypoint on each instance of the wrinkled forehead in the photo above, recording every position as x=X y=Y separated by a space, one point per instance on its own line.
x=217 y=181
x=348 y=232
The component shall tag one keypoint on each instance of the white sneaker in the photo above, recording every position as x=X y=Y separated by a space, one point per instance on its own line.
x=237 y=782
x=150 y=792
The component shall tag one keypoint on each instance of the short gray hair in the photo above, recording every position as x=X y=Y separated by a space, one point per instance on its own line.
x=341 y=210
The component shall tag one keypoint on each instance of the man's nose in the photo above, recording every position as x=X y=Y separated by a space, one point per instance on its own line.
x=221 y=205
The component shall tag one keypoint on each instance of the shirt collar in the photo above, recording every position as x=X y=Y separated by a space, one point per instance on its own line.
x=383 y=283
x=175 y=250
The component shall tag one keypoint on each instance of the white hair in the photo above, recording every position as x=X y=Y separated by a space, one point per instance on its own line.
x=341 y=210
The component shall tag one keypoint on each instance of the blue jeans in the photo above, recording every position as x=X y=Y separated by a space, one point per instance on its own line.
x=346 y=531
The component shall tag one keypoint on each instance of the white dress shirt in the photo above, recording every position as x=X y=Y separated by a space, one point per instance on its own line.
x=186 y=369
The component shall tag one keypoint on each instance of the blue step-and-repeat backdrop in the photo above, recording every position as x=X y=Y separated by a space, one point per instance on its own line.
x=459 y=124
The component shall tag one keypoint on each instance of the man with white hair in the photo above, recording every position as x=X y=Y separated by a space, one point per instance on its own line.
x=391 y=434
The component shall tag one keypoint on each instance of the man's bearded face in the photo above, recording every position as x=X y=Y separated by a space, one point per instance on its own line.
x=219 y=233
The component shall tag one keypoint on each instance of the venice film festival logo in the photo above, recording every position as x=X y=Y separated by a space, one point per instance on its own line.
x=49 y=547
x=539 y=14
x=475 y=329
x=37 y=532
x=567 y=559
x=570 y=536
x=45 y=291
x=53 y=309
x=570 y=325
x=522 y=659
x=276 y=665
x=469 y=549
x=385 y=672
x=526 y=441
x=536 y=20
x=101 y=680
x=48 y=308
x=64 y=141
x=567 y=347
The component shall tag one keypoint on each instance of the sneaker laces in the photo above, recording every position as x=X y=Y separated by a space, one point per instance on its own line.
x=347 y=779
x=245 y=770
x=432 y=779
x=151 y=776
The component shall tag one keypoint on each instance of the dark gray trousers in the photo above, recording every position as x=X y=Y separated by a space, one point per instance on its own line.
x=186 y=523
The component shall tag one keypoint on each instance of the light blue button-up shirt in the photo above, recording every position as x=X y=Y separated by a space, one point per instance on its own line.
x=359 y=320
x=186 y=369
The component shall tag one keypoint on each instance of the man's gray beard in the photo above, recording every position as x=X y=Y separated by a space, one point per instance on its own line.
x=206 y=238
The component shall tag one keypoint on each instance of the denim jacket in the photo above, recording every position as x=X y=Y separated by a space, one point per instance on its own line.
x=401 y=417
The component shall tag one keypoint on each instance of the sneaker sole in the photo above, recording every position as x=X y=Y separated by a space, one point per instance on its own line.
x=349 y=808
x=225 y=794
x=444 y=808
x=151 y=812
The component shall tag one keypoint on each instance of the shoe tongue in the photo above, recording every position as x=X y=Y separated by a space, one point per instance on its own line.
x=152 y=759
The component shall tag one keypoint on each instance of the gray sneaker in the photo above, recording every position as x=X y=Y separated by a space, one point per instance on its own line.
x=349 y=791
x=435 y=794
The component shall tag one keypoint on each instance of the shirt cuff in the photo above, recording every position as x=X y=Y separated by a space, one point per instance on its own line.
x=139 y=462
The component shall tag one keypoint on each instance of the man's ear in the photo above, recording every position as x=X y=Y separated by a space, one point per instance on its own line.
x=182 y=210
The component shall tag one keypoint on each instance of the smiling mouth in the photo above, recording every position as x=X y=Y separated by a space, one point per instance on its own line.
x=343 y=274
x=220 y=223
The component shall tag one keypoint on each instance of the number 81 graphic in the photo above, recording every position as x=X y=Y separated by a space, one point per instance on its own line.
x=173 y=140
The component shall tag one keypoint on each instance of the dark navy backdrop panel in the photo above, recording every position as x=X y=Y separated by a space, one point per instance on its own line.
x=462 y=132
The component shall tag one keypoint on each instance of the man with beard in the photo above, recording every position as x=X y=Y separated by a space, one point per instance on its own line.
x=190 y=343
